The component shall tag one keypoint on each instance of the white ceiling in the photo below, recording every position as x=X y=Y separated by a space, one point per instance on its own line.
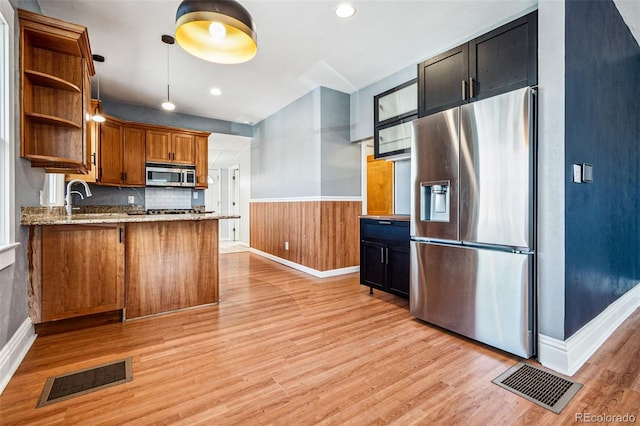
x=224 y=150
x=301 y=45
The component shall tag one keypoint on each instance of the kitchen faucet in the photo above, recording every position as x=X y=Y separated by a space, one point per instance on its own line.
x=67 y=198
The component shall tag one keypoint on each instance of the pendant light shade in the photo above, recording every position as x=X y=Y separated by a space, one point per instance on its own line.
x=220 y=31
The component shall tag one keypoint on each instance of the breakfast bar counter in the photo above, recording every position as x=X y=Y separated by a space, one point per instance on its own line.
x=118 y=265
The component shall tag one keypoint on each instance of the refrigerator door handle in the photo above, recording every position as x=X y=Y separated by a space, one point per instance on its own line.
x=386 y=251
x=381 y=254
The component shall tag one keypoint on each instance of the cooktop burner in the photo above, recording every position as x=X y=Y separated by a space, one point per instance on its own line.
x=171 y=211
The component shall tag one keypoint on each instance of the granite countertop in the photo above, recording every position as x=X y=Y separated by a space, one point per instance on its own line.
x=57 y=216
x=405 y=217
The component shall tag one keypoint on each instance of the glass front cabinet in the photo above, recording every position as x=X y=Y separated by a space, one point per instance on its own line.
x=393 y=111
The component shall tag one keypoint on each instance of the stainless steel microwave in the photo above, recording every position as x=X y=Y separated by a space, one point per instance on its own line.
x=170 y=175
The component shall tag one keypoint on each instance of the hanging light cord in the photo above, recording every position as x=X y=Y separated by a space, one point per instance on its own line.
x=168 y=73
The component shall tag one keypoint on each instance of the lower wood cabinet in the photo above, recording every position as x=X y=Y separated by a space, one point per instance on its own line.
x=170 y=265
x=82 y=270
x=384 y=255
x=83 y=274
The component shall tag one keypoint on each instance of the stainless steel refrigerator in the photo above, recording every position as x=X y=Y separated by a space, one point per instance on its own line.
x=473 y=220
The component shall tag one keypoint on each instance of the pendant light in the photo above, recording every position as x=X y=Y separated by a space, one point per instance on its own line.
x=98 y=117
x=168 y=105
x=220 y=31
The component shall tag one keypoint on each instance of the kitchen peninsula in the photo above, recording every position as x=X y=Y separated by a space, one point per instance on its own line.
x=88 y=268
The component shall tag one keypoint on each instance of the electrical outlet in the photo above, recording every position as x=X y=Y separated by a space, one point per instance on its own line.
x=286 y=245
x=131 y=199
x=195 y=195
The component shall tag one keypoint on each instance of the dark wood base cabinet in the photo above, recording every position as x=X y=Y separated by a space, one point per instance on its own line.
x=384 y=255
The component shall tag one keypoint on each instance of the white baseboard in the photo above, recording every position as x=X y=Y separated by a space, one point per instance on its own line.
x=14 y=352
x=306 y=269
x=568 y=356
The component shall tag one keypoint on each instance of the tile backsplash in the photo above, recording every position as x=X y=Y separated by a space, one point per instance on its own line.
x=167 y=198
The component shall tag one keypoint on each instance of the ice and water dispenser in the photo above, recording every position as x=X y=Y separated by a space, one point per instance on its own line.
x=434 y=201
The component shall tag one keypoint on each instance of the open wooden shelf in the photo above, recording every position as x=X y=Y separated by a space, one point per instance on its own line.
x=48 y=80
x=56 y=67
x=51 y=120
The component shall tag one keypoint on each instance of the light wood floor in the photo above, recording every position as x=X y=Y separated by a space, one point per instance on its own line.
x=287 y=349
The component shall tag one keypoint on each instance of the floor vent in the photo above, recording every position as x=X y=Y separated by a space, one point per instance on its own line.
x=81 y=382
x=539 y=386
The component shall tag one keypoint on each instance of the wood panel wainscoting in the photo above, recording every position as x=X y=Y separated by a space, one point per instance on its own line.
x=170 y=266
x=322 y=235
x=286 y=348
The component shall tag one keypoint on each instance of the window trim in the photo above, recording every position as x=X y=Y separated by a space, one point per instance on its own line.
x=7 y=138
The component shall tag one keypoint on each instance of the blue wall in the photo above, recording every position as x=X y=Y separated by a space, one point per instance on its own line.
x=175 y=119
x=602 y=128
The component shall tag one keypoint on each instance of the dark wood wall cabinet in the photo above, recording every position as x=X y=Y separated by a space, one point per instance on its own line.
x=502 y=60
x=393 y=111
x=384 y=255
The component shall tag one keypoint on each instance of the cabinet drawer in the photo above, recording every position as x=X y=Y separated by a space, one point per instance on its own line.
x=385 y=230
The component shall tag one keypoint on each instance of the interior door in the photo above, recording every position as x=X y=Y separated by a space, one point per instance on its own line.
x=234 y=203
x=379 y=186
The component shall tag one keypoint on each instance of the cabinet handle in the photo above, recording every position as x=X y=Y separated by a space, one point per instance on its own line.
x=93 y=158
x=120 y=234
x=464 y=90
x=169 y=156
x=125 y=176
x=381 y=255
x=472 y=90
x=384 y=222
x=386 y=251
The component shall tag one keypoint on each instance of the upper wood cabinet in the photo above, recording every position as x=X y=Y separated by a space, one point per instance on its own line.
x=56 y=66
x=202 y=162
x=158 y=148
x=183 y=147
x=133 y=156
x=82 y=270
x=499 y=61
x=122 y=150
x=170 y=147
x=111 y=153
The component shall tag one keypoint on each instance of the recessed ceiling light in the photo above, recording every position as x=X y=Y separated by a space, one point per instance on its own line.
x=345 y=10
x=216 y=92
